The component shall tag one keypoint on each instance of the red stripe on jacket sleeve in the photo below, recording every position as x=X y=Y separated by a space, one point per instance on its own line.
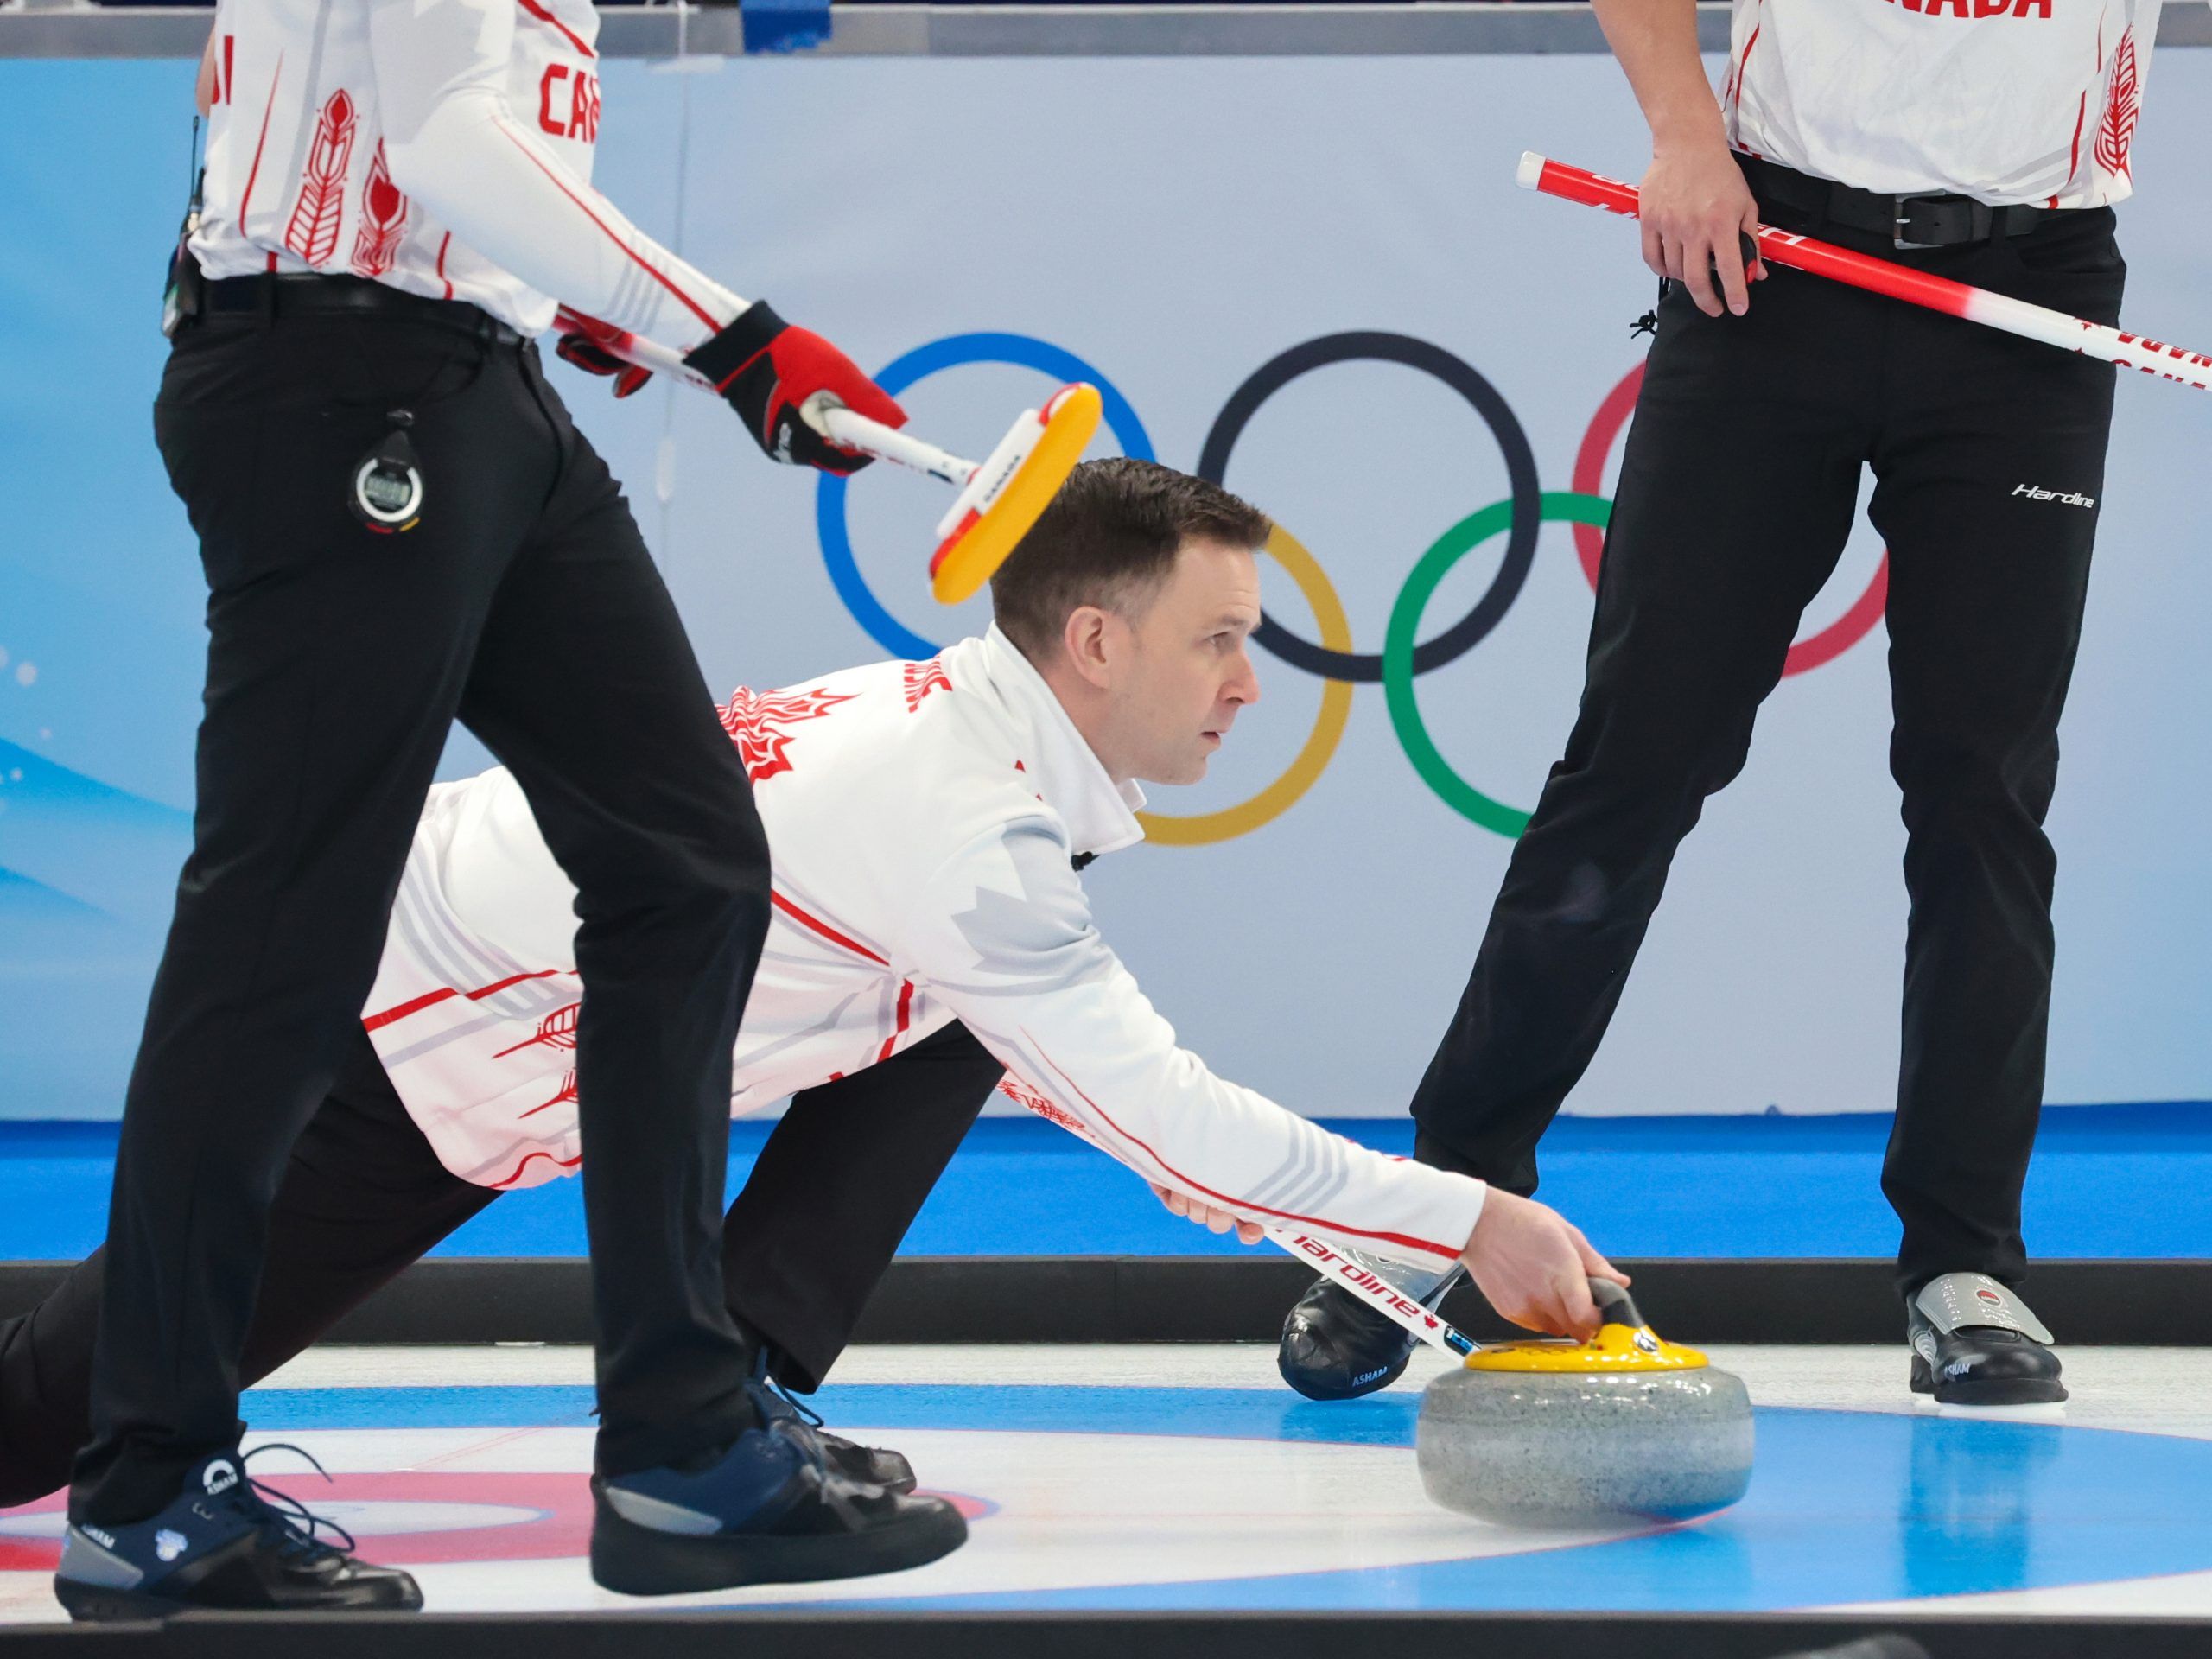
x=713 y=324
x=545 y=16
x=825 y=928
x=1200 y=1189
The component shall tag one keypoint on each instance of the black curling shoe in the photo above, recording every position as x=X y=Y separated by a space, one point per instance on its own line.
x=1974 y=1343
x=770 y=1509
x=872 y=1465
x=1336 y=1347
x=227 y=1543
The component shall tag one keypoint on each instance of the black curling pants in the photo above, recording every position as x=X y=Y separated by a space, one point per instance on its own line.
x=809 y=1235
x=1737 y=488
x=524 y=603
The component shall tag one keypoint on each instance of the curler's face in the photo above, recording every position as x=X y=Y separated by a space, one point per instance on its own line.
x=1189 y=665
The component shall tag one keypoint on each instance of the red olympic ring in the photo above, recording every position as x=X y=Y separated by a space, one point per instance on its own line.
x=1825 y=646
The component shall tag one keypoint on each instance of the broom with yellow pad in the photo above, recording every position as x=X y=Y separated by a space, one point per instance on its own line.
x=999 y=497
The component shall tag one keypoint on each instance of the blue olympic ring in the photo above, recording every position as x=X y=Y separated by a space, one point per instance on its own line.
x=1023 y=352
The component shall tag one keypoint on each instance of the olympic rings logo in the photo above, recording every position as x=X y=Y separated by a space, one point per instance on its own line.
x=1331 y=657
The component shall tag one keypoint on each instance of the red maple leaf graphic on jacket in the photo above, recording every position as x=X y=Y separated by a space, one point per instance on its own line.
x=2117 y=130
x=313 y=231
x=384 y=219
x=922 y=678
x=556 y=1031
x=565 y=1095
x=1019 y=1092
x=759 y=722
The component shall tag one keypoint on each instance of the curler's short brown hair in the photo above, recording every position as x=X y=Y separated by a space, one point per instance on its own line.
x=1109 y=538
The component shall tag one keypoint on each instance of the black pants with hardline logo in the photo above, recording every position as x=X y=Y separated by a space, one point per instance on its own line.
x=1737 y=488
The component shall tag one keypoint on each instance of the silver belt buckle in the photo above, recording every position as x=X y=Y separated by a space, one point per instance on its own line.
x=1899 y=215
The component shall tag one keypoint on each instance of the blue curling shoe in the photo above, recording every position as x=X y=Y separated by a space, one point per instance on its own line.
x=871 y=1466
x=771 y=1508
x=228 y=1542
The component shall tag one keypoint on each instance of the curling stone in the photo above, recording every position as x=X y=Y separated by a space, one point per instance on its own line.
x=1576 y=1434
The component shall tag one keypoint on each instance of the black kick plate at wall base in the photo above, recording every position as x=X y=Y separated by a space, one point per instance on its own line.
x=1310 y=1634
x=973 y=1298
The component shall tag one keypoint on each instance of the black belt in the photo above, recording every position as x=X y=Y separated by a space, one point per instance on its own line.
x=1929 y=221
x=304 y=294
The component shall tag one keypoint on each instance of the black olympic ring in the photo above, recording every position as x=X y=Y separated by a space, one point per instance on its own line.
x=1525 y=494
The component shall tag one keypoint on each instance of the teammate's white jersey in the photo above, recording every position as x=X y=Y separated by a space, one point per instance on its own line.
x=922 y=819
x=2008 y=101
x=442 y=146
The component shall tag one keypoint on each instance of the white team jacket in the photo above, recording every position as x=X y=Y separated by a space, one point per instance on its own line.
x=441 y=147
x=2008 y=101
x=921 y=819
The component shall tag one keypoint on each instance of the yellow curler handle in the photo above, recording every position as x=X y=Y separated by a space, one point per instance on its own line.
x=1624 y=1343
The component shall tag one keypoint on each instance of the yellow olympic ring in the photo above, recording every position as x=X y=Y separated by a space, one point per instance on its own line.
x=1278 y=798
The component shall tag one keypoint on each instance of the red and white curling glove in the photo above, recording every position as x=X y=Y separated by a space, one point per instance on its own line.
x=766 y=370
x=595 y=348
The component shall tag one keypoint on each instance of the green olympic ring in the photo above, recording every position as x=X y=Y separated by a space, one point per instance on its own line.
x=1455 y=544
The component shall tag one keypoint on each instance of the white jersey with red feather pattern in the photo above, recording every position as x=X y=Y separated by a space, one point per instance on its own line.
x=443 y=146
x=2007 y=101
x=922 y=819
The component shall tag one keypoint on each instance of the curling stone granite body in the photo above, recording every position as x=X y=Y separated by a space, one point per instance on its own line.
x=1549 y=1448
x=1565 y=1433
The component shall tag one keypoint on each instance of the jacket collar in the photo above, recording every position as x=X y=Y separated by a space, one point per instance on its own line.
x=1101 y=816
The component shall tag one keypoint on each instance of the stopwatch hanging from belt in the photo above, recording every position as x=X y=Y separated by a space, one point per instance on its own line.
x=387 y=491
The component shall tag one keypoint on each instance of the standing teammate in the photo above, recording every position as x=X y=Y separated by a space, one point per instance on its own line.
x=399 y=524
x=1986 y=143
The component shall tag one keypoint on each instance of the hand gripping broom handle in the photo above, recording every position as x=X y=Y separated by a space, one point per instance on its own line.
x=1902 y=282
x=834 y=420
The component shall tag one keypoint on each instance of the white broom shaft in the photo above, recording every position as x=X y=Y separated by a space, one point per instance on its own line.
x=651 y=354
x=1349 y=1275
x=842 y=426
